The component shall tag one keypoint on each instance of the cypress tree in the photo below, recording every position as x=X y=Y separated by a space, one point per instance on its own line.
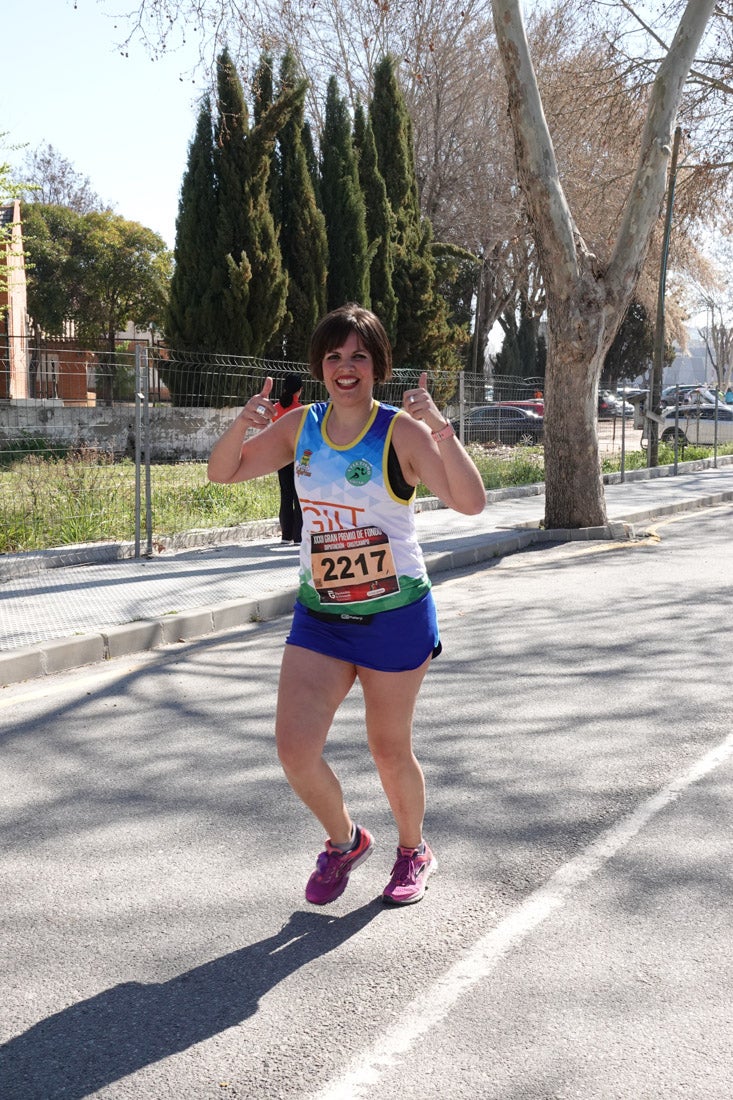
x=311 y=159
x=233 y=271
x=343 y=206
x=423 y=338
x=633 y=347
x=269 y=285
x=392 y=129
x=379 y=224
x=263 y=89
x=303 y=242
x=187 y=313
x=249 y=282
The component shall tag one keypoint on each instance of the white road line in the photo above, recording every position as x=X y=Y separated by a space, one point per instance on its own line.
x=434 y=1004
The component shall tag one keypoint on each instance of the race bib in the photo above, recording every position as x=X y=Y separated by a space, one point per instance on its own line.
x=353 y=565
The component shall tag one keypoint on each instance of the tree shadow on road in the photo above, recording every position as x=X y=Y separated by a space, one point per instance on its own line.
x=119 y=1031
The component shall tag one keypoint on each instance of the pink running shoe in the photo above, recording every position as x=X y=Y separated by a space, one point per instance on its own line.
x=409 y=876
x=330 y=878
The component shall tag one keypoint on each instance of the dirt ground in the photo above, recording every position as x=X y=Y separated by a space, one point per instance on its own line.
x=610 y=436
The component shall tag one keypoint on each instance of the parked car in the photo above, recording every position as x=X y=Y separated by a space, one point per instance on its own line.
x=628 y=392
x=536 y=404
x=696 y=394
x=610 y=406
x=501 y=424
x=697 y=424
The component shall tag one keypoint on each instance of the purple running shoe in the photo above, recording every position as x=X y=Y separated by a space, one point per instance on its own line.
x=409 y=876
x=333 y=867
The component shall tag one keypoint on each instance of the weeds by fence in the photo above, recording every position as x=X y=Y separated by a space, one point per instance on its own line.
x=71 y=429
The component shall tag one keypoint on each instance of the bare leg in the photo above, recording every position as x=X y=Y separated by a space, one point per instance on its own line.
x=312 y=687
x=390 y=699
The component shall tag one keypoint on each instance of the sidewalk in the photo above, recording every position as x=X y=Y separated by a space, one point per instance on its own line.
x=62 y=618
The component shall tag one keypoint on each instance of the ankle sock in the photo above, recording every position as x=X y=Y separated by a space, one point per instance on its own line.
x=349 y=845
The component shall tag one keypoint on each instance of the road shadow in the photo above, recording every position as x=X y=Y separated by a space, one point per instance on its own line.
x=95 y=1042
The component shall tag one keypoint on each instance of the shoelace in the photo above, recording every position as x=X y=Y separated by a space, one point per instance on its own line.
x=329 y=864
x=405 y=869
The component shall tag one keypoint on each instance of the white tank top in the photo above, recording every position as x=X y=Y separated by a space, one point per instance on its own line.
x=359 y=550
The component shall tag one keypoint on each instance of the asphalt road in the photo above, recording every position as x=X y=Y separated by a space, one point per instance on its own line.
x=575 y=736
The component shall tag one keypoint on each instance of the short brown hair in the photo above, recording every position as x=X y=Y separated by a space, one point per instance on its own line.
x=333 y=330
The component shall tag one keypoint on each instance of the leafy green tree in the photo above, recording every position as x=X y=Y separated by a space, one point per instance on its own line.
x=107 y=271
x=303 y=241
x=343 y=206
x=379 y=224
x=96 y=270
x=127 y=271
x=54 y=238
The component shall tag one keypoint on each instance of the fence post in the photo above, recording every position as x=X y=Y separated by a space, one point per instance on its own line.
x=138 y=433
x=146 y=425
x=623 y=434
x=461 y=405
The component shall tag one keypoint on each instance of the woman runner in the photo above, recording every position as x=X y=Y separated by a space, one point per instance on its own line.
x=364 y=609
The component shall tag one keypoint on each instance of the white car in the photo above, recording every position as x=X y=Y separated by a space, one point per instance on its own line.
x=697 y=425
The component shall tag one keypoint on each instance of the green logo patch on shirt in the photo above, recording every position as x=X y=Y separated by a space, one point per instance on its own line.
x=359 y=472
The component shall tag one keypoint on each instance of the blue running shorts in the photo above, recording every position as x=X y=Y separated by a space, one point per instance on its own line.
x=388 y=641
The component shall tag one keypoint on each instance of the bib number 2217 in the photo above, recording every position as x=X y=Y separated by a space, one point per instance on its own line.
x=352 y=565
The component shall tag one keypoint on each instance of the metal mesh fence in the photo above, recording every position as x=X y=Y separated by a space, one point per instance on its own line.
x=97 y=446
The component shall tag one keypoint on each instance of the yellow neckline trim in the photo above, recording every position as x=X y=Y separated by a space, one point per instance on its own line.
x=359 y=437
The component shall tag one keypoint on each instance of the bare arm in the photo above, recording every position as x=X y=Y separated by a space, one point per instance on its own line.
x=444 y=466
x=235 y=458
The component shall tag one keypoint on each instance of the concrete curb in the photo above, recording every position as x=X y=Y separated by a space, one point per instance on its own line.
x=36 y=561
x=33 y=662
x=66 y=654
x=30 y=562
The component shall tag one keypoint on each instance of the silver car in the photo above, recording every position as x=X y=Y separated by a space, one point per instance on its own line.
x=697 y=425
x=501 y=424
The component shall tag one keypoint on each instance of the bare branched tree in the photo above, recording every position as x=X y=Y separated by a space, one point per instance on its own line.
x=587 y=295
x=49 y=177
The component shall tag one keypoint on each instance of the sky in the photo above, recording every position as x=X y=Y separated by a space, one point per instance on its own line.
x=123 y=122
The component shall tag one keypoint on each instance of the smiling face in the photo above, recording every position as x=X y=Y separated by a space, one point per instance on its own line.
x=335 y=329
x=348 y=372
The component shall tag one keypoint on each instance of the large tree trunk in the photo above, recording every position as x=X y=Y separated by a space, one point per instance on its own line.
x=586 y=301
x=573 y=487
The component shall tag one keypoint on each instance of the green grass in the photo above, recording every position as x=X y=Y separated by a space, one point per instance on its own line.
x=85 y=496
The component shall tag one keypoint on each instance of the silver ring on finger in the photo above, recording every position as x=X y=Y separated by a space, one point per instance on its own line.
x=261 y=410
